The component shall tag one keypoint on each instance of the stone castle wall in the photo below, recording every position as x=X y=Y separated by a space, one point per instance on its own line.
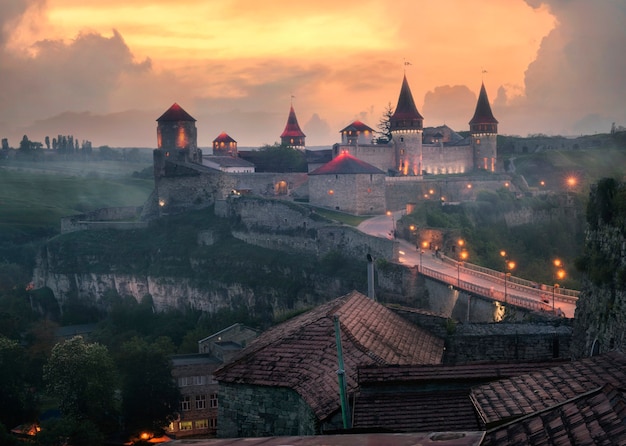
x=285 y=226
x=361 y=194
x=439 y=159
x=106 y=218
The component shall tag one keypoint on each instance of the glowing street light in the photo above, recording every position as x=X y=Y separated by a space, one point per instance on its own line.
x=463 y=256
x=393 y=224
x=559 y=275
x=508 y=265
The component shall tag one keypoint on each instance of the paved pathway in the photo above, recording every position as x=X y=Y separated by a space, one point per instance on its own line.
x=466 y=276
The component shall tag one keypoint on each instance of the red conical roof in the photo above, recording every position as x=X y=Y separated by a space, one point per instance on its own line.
x=224 y=137
x=483 y=114
x=345 y=163
x=406 y=109
x=292 y=129
x=175 y=113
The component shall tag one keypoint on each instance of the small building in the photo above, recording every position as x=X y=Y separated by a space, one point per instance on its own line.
x=227 y=163
x=224 y=145
x=285 y=382
x=357 y=133
x=198 y=388
x=348 y=184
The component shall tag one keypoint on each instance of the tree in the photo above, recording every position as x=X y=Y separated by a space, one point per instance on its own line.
x=81 y=376
x=384 y=125
x=279 y=158
x=47 y=141
x=17 y=402
x=150 y=397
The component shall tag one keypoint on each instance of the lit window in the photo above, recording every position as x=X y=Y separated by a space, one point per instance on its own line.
x=331 y=192
x=186 y=425
x=213 y=400
x=202 y=424
x=185 y=404
x=200 y=401
x=478 y=141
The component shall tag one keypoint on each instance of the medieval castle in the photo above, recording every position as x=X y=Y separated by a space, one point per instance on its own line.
x=359 y=174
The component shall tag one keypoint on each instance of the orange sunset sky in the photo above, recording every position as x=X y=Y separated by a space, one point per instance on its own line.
x=105 y=70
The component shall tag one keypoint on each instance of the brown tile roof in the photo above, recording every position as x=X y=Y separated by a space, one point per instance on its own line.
x=416 y=374
x=507 y=399
x=301 y=353
x=175 y=113
x=433 y=411
x=597 y=417
x=344 y=163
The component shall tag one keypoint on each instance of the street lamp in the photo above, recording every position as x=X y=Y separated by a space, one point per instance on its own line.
x=393 y=224
x=463 y=255
x=510 y=265
x=559 y=274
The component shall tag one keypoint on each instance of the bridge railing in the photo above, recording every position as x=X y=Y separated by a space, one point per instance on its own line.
x=542 y=291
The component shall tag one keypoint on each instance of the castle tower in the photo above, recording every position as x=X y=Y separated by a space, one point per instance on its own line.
x=177 y=137
x=224 y=145
x=406 y=125
x=292 y=136
x=484 y=134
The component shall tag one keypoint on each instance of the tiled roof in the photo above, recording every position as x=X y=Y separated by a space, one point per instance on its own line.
x=292 y=128
x=357 y=126
x=526 y=394
x=344 y=163
x=597 y=417
x=483 y=114
x=435 y=411
x=175 y=113
x=224 y=137
x=415 y=374
x=406 y=109
x=301 y=353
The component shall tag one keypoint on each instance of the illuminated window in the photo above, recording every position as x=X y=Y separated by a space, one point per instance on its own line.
x=202 y=424
x=477 y=141
x=213 y=400
x=401 y=151
x=369 y=190
x=331 y=192
x=200 y=401
x=186 y=425
x=185 y=404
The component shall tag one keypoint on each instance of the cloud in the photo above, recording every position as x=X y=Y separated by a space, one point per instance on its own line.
x=576 y=83
x=451 y=105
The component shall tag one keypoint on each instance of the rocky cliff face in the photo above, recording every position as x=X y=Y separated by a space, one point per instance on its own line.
x=600 y=320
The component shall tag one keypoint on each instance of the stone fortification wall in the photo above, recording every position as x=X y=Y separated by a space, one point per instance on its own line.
x=402 y=190
x=268 y=184
x=105 y=218
x=378 y=155
x=439 y=159
x=362 y=194
x=260 y=411
x=287 y=226
x=508 y=342
x=196 y=189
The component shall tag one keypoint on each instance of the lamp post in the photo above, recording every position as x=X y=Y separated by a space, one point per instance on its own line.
x=393 y=224
x=559 y=274
x=510 y=265
x=463 y=255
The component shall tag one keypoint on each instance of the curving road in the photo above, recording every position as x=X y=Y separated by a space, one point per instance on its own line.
x=472 y=278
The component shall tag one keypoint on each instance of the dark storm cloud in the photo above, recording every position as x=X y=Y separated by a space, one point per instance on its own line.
x=576 y=84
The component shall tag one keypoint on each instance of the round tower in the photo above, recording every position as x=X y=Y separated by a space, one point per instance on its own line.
x=177 y=137
x=484 y=134
x=406 y=126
